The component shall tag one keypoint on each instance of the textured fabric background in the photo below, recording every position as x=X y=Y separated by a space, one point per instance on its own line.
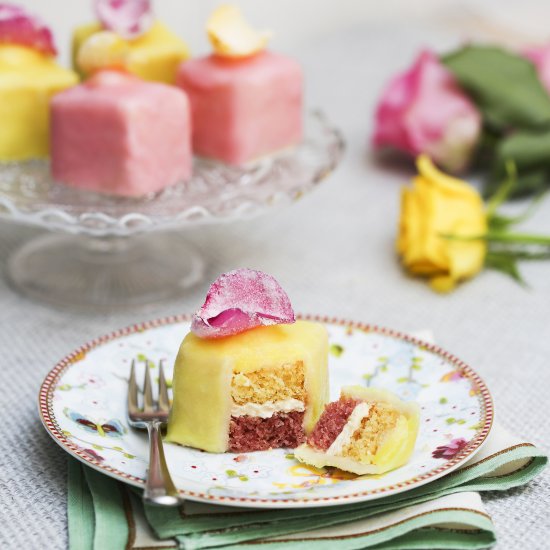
x=333 y=252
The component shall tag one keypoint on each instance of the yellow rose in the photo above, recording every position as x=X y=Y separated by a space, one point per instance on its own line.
x=436 y=206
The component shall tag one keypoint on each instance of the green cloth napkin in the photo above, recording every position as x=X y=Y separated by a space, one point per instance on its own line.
x=105 y=514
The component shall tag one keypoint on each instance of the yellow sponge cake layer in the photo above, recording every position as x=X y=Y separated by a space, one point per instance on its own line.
x=155 y=55
x=28 y=80
x=209 y=373
x=366 y=440
x=269 y=384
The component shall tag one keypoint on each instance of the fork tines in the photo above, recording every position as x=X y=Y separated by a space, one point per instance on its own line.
x=149 y=404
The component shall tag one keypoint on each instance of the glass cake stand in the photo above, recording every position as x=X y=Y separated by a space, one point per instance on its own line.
x=106 y=253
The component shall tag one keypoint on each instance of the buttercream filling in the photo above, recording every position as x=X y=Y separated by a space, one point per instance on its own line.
x=267 y=409
x=352 y=425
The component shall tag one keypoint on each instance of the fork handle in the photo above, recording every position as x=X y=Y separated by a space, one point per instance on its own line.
x=159 y=487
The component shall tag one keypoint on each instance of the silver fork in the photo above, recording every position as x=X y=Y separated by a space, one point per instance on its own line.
x=159 y=487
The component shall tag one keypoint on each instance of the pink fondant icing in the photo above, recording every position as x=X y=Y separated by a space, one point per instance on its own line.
x=120 y=135
x=243 y=108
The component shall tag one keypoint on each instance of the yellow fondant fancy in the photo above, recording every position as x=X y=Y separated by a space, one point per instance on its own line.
x=206 y=369
x=28 y=79
x=155 y=55
x=103 y=50
x=231 y=36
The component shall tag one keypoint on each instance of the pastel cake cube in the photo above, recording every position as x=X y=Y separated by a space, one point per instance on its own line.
x=367 y=431
x=263 y=388
x=243 y=108
x=28 y=79
x=120 y=135
x=155 y=55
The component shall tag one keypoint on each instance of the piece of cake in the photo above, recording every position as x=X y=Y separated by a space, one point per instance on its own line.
x=367 y=431
x=154 y=52
x=248 y=377
x=120 y=135
x=29 y=77
x=245 y=102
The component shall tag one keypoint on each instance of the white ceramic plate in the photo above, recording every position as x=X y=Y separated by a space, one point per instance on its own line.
x=83 y=400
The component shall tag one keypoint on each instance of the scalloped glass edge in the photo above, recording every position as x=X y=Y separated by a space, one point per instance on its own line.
x=216 y=193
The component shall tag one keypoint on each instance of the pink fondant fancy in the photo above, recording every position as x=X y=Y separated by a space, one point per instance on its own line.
x=128 y=18
x=240 y=300
x=19 y=27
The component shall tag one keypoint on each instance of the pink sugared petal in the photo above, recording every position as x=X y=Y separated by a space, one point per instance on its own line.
x=19 y=27
x=241 y=300
x=128 y=18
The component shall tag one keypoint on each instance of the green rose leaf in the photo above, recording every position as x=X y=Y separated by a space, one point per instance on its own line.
x=529 y=151
x=504 y=86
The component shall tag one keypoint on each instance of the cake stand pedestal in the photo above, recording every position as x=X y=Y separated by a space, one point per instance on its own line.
x=110 y=253
x=104 y=273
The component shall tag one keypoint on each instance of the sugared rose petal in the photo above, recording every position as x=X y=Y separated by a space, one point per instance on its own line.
x=128 y=18
x=19 y=27
x=103 y=50
x=231 y=35
x=241 y=300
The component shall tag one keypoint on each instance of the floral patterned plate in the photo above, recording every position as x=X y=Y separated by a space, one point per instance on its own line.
x=82 y=405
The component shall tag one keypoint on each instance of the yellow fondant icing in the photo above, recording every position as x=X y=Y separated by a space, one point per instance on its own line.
x=204 y=369
x=28 y=79
x=155 y=55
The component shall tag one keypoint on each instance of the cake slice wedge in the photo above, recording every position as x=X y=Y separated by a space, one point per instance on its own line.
x=367 y=431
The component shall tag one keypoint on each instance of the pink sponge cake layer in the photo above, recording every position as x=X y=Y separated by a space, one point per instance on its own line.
x=120 y=135
x=249 y=433
x=243 y=109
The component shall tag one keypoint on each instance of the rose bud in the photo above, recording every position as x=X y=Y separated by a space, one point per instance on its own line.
x=423 y=110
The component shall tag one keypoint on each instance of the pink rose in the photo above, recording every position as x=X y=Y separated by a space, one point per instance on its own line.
x=424 y=111
x=540 y=57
